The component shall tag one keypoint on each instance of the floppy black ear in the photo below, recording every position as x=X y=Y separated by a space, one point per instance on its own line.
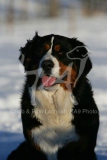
x=81 y=58
x=27 y=50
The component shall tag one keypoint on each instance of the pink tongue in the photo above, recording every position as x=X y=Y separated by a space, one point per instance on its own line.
x=48 y=81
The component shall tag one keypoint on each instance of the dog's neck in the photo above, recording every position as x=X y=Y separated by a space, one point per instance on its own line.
x=47 y=91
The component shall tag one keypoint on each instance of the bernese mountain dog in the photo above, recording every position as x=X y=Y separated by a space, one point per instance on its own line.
x=59 y=115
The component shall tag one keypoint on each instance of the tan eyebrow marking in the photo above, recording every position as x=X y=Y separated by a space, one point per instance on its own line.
x=46 y=46
x=57 y=47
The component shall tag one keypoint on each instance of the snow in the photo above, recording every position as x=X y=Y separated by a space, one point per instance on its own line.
x=92 y=31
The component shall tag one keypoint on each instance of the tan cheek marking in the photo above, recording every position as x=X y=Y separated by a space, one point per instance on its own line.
x=46 y=46
x=70 y=78
x=57 y=48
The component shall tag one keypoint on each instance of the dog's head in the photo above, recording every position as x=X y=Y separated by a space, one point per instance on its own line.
x=55 y=59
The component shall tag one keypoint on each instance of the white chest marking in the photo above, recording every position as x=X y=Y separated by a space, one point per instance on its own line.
x=53 y=110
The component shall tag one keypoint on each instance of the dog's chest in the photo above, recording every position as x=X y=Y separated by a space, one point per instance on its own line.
x=54 y=111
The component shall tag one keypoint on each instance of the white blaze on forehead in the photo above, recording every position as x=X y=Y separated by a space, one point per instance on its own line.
x=48 y=56
x=50 y=50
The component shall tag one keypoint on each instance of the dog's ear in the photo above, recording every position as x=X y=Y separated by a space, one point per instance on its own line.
x=27 y=51
x=81 y=58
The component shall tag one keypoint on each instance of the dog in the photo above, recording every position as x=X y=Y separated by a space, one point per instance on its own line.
x=60 y=118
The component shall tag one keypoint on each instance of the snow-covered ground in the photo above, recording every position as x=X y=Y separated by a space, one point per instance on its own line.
x=92 y=31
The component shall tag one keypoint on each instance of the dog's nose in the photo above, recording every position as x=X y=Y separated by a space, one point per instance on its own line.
x=47 y=65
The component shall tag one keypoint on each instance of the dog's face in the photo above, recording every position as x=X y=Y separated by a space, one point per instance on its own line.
x=55 y=59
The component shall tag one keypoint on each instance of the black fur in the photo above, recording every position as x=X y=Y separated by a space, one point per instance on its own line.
x=26 y=152
x=85 y=121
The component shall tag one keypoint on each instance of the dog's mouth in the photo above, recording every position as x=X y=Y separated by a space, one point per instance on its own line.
x=48 y=81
